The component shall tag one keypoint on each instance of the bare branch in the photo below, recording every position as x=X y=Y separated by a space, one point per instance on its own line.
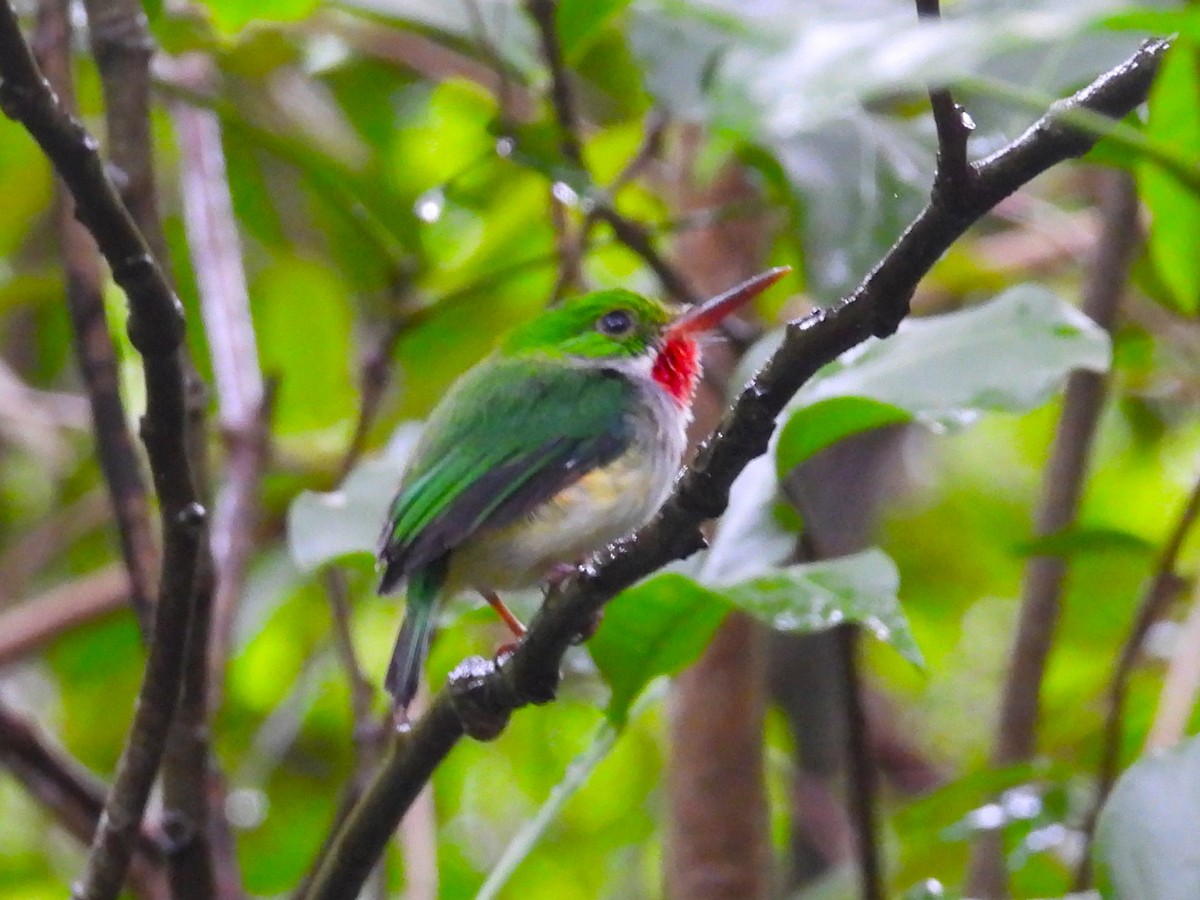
x=1164 y=586
x=954 y=127
x=115 y=449
x=1062 y=485
x=630 y=233
x=121 y=43
x=1177 y=700
x=156 y=327
x=72 y=794
x=30 y=624
x=482 y=695
x=204 y=865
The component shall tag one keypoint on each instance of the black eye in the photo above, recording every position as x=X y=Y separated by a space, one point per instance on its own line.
x=617 y=323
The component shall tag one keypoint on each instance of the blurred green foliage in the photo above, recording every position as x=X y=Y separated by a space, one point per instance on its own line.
x=378 y=176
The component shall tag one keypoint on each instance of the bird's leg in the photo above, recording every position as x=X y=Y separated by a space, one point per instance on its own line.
x=513 y=623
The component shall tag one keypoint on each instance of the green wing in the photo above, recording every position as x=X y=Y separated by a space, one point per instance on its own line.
x=507 y=437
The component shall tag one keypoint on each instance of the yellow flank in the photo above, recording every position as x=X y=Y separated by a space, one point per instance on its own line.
x=605 y=504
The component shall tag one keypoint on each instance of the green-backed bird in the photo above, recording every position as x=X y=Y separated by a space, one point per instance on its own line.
x=567 y=437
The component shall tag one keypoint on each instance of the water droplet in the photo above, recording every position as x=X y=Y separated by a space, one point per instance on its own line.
x=246 y=808
x=1021 y=803
x=505 y=147
x=986 y=818
x=967 y=122
x=430 y=205
x=1042 y=839
x=564 y=193
x=878 y=628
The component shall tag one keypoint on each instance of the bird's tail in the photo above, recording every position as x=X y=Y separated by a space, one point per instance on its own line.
x=412 y=644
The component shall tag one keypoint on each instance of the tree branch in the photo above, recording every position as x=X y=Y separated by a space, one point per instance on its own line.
x=32 y=623
x=1062 y=486
x=954 y=127
x=630 y=233
x=481 y=695
x=72 y=794
x=94 y=350
x=122 y=46
x=1165 y=585
x=156 y=328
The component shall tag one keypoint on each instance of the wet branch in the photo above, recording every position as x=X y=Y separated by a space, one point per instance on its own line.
x=481 y=695
x=953 y=125
x=156 y=328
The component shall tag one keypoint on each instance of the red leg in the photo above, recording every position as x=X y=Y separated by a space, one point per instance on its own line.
x=513 y=623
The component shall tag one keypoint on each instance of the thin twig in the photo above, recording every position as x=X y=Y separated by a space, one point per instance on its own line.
x=243 y=410
x=482 y=695
x=225 y=311
x=630 y=233
x=32 y=623
x=45 y=542
x=561 y=97
x=862 y=782
x=1177 y=700
x=374 y=371
x=954 y=127
x=1062 y=486
x=156 y=327
x=122 y=46
x=115 y=449
x=72 y=795
x=1164 y=586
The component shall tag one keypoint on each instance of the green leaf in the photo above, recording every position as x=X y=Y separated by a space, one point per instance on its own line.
x=580 y=23
x=655 y=628
x=1174 y=121
x=663 y=624
x=1076 y=541
x=231 y=16
x=1009 y=355
x=813 y=428
x=323 y=527
x=815 y=596
x=750 y=540
x=1146 y=837
x=302 y=317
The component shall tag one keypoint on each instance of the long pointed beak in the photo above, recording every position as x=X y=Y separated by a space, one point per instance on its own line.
x=707 y=315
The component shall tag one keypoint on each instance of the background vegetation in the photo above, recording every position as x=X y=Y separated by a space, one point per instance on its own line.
x=356 y=197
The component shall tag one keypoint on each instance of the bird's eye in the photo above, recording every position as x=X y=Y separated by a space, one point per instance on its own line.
x=617 y=323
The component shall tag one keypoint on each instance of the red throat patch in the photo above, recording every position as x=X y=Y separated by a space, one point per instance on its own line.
x=676 y=368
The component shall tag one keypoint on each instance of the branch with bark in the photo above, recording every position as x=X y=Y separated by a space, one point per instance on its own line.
x=115 y=449
x=482 y=694
x=1062 y=487
x=156 y=329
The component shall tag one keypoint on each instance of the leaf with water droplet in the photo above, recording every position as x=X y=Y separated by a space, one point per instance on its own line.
x=815 y=596
x=431 y=204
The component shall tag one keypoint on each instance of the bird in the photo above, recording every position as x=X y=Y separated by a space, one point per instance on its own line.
x=564 y=439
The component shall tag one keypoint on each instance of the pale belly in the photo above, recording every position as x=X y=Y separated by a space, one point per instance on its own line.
x=602 y=506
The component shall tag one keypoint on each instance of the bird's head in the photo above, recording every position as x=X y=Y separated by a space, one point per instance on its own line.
x=638 y=336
